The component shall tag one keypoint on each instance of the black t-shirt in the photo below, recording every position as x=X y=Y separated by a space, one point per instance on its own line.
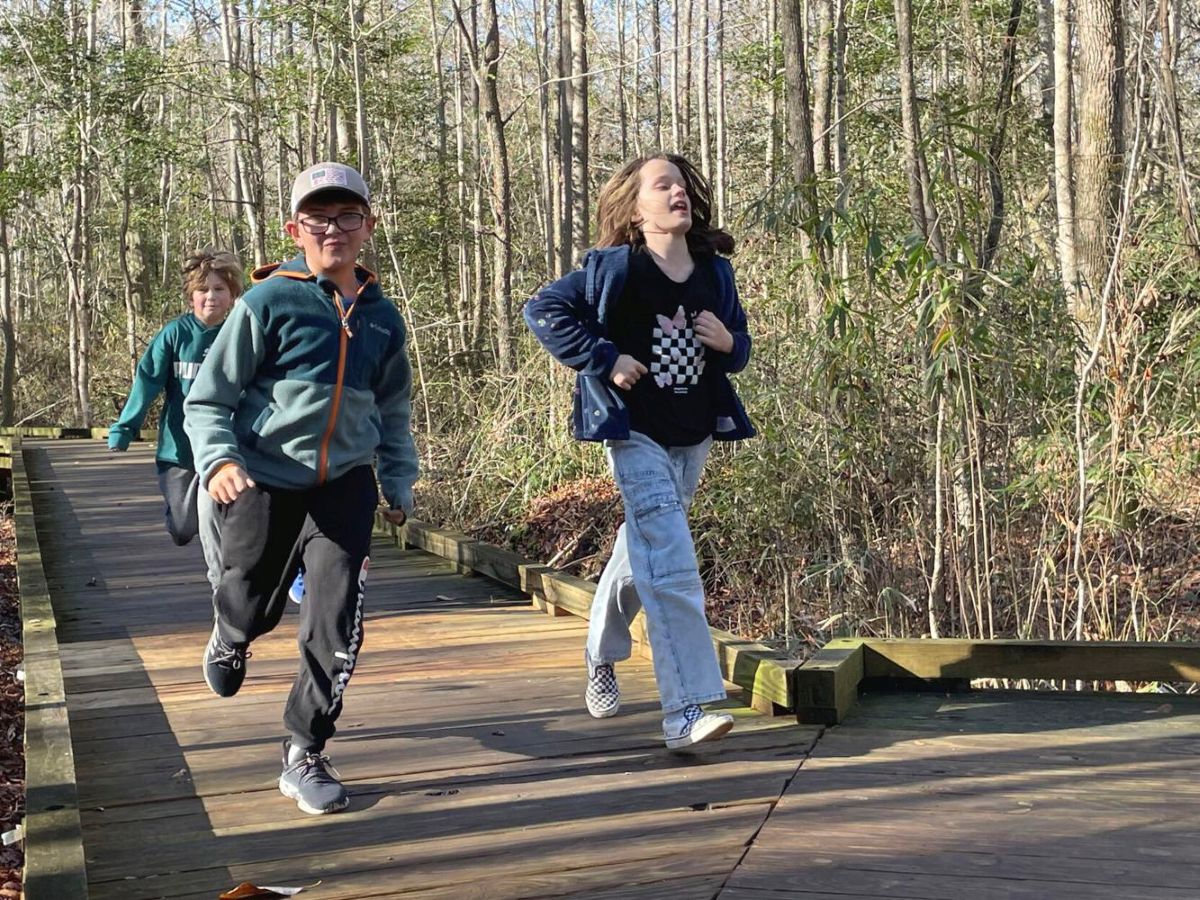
x=652 y=322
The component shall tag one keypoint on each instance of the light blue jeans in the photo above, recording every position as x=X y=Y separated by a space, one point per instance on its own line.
x=653 y=564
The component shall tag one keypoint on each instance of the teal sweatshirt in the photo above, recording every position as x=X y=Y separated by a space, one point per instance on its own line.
x=298 y=394
x=170 y=364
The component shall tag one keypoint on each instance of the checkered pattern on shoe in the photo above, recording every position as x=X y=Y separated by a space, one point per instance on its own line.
x=603 y=697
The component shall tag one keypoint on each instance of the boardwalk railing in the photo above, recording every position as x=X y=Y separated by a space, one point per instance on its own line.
x=54 y=862
x=827 y=685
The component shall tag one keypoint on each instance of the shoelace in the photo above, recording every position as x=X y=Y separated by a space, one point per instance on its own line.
x=315 y=767
x=229 y=656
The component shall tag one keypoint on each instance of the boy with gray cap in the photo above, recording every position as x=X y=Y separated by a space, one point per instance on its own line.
x=306 y=385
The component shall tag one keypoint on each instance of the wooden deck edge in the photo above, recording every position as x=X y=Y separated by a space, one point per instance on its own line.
x=54 y=860
x=9 y=434
x=826 y=686
x=763 y=672
x=1070 y=660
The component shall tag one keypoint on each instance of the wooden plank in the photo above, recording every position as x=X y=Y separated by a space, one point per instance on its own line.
x=409 y=861
x=496 y=563
x=472 y=762
x=1084 y=660
x=761 y=670
x=826 y=686
x=54 y=861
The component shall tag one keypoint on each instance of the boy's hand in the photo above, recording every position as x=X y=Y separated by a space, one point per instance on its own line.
x=626 y=371
x=712 y=332
x=395 y=516
x=228 y=483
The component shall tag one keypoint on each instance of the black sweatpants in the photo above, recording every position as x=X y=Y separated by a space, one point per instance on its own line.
x=265 y=534
x=179 y=487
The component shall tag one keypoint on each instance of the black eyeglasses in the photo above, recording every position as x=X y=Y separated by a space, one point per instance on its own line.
x=348 y=221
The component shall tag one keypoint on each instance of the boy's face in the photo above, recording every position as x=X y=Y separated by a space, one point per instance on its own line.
x=331 y=232
x=211 y=303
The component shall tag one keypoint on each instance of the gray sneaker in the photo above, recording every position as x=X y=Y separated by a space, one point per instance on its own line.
x=224 y=664
x=312 y=783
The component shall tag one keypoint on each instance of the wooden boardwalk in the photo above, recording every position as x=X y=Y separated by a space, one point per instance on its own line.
x=474 y=768
x=476 y=773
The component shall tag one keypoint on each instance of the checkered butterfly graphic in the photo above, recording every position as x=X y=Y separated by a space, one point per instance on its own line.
x=678 y=355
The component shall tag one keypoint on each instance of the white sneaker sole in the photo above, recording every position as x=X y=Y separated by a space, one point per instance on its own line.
x=204 y=661
x=717 y=727
x=604 y=713
x=304 y=807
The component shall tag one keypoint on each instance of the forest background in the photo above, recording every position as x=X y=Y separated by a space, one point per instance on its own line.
x=968 y=248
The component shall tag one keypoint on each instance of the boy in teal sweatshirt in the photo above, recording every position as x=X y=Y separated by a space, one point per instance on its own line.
x=212 y=282
x=306 y=386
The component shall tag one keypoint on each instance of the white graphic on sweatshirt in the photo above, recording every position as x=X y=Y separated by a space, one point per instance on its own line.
x=677 y=354
x=186 y=369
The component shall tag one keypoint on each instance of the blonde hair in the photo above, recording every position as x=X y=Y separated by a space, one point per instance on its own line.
x=616 y=208
x=209 y=261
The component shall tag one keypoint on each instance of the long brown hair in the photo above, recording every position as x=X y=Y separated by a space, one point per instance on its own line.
x=209 y=261
x=616 y=208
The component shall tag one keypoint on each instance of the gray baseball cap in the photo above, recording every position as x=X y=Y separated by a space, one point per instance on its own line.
x=328 y=176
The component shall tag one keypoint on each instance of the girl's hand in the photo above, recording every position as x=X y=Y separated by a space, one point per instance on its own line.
x=712 y=332
x=626 y=371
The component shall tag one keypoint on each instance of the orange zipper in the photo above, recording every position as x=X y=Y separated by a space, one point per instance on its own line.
x=343 y=341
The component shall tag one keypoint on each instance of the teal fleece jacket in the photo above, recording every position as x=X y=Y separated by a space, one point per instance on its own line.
x=169 y=364
x=298 y=394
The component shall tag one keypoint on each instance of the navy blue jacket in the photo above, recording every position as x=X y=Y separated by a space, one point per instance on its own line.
x=570 y=319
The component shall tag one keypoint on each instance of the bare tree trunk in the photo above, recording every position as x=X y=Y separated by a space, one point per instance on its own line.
x=686 y=90
x=1167 y=28
x=722 y=171
x=1064 y=155
x=501 y=189
x=566 y=240
x=251 y=148
x=123 y=257
x=920 y=200
x=840 y=147
x=542 y=44
x=676 y=37
x=579 y=124
x=636 y=100
x=622 y=117
x=460 y=150
x=823 y=87
x=996 y=145
x=800 y=140
x=1101 y=149
x=356 y=11
x=8 y=368
x=443 y=159
x=229 y=38
x=771 y=28
x=479 y=278
x=656 y=69
x=706 y=162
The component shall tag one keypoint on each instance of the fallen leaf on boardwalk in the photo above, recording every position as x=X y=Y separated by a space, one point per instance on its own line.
x=246 y=890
